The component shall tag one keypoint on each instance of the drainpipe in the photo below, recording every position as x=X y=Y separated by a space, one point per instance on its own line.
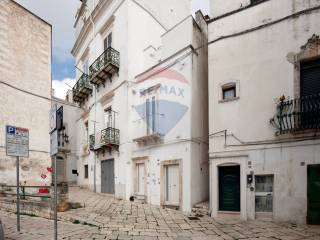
x=95 y=103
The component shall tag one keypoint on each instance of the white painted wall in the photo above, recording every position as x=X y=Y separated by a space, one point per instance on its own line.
x=186 y=140
x=259 y=62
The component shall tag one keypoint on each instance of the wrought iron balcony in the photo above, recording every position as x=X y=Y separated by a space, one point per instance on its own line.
x=91 y=142
x=298 y=114
x=104 y=66
x=82 y=89
x=110 y=137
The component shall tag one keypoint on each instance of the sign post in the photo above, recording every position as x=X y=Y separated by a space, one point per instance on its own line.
x=18 y=196
x=54 y=148
x=17 y=145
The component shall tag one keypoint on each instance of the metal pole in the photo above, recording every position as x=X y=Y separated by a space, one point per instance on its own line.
x=94 y=129
x=18 y=196
x=55 y=200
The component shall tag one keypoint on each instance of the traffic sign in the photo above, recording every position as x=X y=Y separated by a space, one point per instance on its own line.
x=54 y=143
x=53 y=117
x=17 y=141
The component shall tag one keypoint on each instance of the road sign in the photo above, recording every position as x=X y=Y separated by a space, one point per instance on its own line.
x=17 y=141
x=59 y=119
x=54 y=143
x=53 y=117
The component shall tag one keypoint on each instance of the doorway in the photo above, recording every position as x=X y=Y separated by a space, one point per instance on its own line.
x=107 y=176
x=264 y=196
x=172 y=184
x=313 y=215
x=140 y=168
x=229 y=188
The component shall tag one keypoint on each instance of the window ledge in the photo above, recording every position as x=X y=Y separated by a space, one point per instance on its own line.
x=229 y=100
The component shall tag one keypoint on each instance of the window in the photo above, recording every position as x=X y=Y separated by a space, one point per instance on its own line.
x=229 y=92
x=86 y=171
x=107 y=41
x=151 y=115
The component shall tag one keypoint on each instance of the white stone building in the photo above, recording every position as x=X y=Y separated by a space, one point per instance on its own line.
x=25 y=90
x=119 y=45
x=264 y=85
x=67 y=139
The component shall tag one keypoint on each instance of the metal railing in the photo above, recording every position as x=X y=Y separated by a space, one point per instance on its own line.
x=110 y=136
x=83 y=82
x=8 y=190
x=109 y=56
x=82 y=88
x=298 y=114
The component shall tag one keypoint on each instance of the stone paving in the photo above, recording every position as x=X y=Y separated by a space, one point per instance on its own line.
x=104 y=217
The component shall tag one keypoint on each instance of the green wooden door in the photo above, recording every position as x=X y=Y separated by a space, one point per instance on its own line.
x=314 y=194
x=229 y=188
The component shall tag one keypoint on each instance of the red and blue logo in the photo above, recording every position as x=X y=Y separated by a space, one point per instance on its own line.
x=164 y=93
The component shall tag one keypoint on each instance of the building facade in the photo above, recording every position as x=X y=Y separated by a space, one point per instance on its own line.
x=25 y=89
x=264 y=86
x=67 y=139
x=124 y=147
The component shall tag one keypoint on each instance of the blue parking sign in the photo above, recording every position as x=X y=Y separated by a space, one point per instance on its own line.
x=11 y=130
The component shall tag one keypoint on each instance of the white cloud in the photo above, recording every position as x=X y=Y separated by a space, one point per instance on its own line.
x=62 y=86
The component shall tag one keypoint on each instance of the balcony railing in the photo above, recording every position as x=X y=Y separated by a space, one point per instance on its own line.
x=110 y=137
x=149 y=128
x=104 y=66
x=82 y=89
x=298 y=114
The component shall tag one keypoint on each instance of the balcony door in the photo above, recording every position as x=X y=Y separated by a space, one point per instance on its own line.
x=309 y=91
x=151 y=115
x=108 y=118
x=107 y=41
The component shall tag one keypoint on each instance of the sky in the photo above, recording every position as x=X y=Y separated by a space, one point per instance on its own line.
x=61 y=15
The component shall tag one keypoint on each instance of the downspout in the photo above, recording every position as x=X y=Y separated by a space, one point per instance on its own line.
x=95 y=103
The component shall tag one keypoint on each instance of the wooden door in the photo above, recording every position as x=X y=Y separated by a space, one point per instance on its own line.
x=313 y=194
x=172 y=185
x=229 y=188
x=140 y=179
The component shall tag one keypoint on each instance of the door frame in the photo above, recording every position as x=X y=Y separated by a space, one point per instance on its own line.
x=114 y=175
x=228 y=160
x=163 y=181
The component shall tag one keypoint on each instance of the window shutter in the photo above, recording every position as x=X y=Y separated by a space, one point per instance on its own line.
x=105 y=43
x=310 y=78
x=110 y=40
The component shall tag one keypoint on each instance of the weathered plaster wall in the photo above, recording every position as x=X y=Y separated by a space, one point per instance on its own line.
x=25 y=58
x=261 y=62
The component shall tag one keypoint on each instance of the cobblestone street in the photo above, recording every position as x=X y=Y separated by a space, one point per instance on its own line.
x=107 y=218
